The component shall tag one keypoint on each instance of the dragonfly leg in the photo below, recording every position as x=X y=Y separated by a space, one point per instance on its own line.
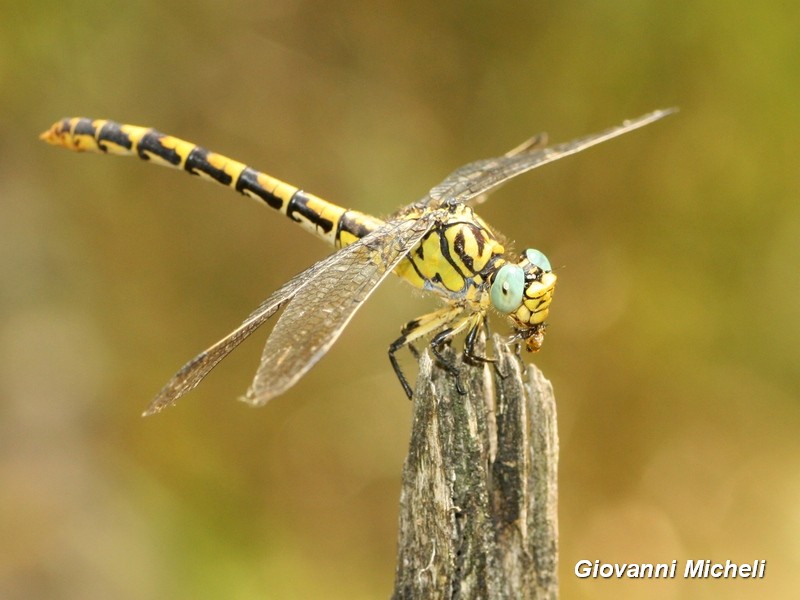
x=442 y=339
x=472 y=321
x=472 y=355
x=415 y=329
x=469 y=344
x=437 y=344
x=397 y=370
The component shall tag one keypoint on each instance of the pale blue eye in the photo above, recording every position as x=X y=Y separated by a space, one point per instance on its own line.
x=539 y=259
x=507 y=288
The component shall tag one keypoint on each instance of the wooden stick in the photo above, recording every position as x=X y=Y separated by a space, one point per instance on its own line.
x=478 y=508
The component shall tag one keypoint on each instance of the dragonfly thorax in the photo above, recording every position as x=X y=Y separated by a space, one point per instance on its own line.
x=437 y=244
x=455 y=259
x=524 y=290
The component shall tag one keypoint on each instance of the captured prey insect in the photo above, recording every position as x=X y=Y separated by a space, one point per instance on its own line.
x=437 y=244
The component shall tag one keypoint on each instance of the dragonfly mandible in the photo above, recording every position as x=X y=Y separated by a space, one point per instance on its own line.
x=438 y=244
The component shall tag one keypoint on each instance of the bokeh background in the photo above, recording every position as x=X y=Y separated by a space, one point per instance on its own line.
x=675 y=334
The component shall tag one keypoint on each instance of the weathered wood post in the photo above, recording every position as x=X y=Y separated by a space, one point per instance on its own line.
x=478 y=507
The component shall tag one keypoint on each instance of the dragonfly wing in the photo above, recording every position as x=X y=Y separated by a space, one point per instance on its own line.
x=535 y=143
x=193 y=372
x=464 y=172
x=320 y=310
x=482 y=176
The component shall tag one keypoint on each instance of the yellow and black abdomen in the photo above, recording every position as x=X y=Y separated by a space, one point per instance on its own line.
x=333 y=223
x=452 y=260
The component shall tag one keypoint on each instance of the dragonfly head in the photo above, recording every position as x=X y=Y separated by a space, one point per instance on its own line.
x=524 y=290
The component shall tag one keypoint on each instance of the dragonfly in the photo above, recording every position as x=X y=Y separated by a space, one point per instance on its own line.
x=437 y=244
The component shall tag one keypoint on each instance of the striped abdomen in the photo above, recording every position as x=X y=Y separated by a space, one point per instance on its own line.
x=336 y=225
x=454 y=259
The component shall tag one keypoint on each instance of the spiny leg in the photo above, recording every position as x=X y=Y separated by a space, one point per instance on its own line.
x=417 y=328
x=513 y=340
x=442 y=339
x=469 y=344
x=469 y=347
x=437 y=344
x=471 y=321
x=414 y=324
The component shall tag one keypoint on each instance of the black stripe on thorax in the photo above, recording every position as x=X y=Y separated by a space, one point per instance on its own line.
x=419 y=254
x=495 y=262
x=458 y=246
x=444 y=247
x=410 y=258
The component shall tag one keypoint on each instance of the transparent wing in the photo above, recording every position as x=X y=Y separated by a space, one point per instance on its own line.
x=479 y=177
x=319 y=311
x=340 y=267
x=535 y=143
x=193 y=372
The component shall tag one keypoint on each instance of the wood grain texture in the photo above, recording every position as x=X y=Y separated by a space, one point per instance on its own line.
x=478 y=514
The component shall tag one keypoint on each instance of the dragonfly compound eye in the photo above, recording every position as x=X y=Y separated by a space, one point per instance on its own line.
x=436 y=244
x=529 y=315
x=537 y=258
x=507 y=288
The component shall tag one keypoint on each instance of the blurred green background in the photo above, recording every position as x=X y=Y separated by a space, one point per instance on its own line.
x=675 y=331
